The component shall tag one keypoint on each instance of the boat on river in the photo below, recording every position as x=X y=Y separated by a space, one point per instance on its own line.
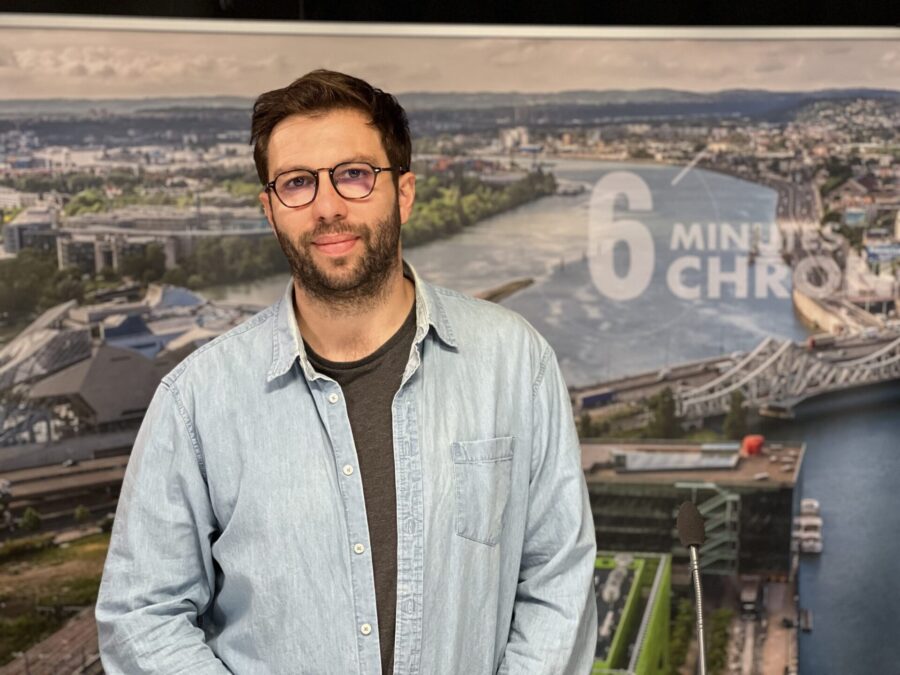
x=806 y=536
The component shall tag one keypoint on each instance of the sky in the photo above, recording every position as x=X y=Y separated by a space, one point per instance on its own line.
x=131 y=64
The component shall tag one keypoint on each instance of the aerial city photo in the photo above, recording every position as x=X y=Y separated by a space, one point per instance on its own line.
x=706 y=230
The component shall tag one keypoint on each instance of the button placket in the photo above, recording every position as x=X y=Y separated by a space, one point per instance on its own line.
x=351 y=491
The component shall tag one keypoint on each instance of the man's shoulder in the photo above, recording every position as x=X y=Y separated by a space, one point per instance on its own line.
x=476 y=319
x=246 y=346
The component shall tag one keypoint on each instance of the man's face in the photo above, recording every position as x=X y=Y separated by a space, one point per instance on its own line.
x=340 y=251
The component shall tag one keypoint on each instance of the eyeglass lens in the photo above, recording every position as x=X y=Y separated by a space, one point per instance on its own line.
x=352 y=180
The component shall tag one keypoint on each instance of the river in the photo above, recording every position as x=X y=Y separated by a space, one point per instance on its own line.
x=852 y=450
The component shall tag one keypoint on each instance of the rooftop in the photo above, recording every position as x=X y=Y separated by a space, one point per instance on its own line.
x=662 y=462
x=34 y=215
x=117 y=384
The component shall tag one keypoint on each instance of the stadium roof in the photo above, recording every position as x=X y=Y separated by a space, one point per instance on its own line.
x=115 y=383
x=39 y=351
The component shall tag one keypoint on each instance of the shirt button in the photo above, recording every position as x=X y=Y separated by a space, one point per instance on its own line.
x=359 y=548
x=333 y=398
x=365 y=629
x=348 y=470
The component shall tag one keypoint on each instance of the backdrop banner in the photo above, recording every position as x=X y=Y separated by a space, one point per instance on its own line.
x=703 y=223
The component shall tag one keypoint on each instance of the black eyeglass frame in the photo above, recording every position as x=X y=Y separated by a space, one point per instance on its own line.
x=270 y=186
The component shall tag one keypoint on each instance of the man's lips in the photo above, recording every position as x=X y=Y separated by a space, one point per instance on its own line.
x=335 y=244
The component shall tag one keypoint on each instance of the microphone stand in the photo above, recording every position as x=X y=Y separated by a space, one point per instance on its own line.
x=692 y=532
x=695 y=572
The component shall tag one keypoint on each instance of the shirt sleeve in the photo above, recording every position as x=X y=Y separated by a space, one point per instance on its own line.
x=159 y=576
x=554 y=624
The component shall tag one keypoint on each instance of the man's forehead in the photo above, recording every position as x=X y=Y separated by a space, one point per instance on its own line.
x=334 y=133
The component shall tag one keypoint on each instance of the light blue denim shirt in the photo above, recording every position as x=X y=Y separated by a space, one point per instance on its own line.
x=241 y=539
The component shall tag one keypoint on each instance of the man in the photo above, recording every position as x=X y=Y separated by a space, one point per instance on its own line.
x=372 y=475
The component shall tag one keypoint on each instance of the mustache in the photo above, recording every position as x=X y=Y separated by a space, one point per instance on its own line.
x=339 y=227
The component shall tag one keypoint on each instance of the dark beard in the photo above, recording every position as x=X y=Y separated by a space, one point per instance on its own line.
x=367 y=284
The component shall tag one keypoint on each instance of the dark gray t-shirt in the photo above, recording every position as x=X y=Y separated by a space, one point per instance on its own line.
x=369 y=386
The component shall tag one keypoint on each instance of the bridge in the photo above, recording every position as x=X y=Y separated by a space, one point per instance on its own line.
x=780 y=374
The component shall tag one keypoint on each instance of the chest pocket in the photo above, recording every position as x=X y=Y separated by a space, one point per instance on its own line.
x=482 y=473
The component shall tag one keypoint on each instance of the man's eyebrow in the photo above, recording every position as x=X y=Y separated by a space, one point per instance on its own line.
x=355 y=158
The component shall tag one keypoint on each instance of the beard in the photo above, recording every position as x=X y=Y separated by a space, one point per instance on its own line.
x=352 y=283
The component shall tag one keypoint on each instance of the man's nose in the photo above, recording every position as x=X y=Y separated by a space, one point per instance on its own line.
x=328 y=205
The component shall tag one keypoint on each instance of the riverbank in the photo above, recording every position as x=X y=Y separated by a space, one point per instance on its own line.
x=815 y=314
x=783 y=186
x=500 y=293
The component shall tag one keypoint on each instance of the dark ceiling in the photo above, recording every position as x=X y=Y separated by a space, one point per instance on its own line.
x=586 y=12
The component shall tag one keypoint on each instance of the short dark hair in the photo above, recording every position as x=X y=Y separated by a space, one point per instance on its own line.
x=322 y=91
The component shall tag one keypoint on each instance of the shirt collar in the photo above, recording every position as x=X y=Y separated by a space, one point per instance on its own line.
x=287 y=345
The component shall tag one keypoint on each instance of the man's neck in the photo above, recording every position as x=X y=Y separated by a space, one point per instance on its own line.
x=352 y=335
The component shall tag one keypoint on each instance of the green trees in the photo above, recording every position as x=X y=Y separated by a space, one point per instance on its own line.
x=682 y=630
x=147 y=266
x=246 y=190
x=831 y=217
x=839 y=170
x=214 y=261
x=717 y=653
x=591 y=428
x=583 y=424
x=175 y=276
x=735 y=426
x=31 y=282
x=66 y=183
x=91 y=200
x=82 y=514
x=664 y=423
x=31 y=520
x=65 y=284
x=229 y=259
x=447 y=204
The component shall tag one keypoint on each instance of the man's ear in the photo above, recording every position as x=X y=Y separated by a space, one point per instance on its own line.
x=406 y=194
x=267 y=208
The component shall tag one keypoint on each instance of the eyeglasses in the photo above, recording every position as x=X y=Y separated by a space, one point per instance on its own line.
x=351 y=180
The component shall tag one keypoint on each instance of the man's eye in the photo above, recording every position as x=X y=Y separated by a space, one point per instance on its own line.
x=297 y=182
x=353 y=174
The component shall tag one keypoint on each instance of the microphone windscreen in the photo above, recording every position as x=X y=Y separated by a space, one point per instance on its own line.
x=691 y=530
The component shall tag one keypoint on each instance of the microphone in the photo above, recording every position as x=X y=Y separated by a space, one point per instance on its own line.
x=692 y=533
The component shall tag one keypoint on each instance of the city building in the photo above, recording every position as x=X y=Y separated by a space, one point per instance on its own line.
x=108 y=390
x=11 y=198
x=514 y=137
x=633 y=606
x=849 y=193
x=746 y=500
x=173 y=218
x=32 y=228
x=91 y=252
x=77 y=252
x=94 y=367
x=44 y=347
